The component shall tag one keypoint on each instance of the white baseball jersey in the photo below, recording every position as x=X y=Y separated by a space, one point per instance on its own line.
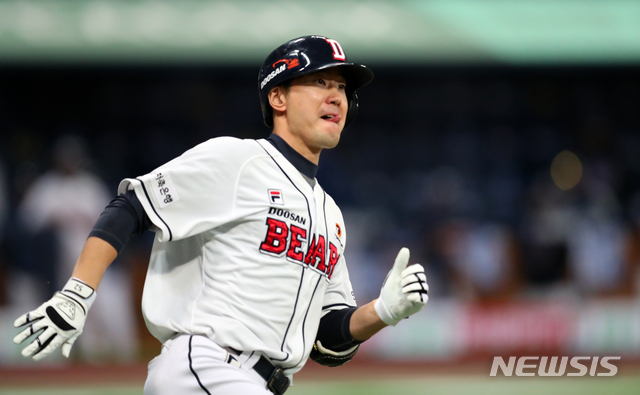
x=247 y=252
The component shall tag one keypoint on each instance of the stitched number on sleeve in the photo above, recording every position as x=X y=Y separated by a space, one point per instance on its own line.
x=338 y=53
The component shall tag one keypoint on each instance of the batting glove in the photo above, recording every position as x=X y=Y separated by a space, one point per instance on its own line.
x=58 y=321
x=404 y=292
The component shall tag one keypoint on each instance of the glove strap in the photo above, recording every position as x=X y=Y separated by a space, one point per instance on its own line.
x=318 y=345
x=80 y=291
x=384 y=313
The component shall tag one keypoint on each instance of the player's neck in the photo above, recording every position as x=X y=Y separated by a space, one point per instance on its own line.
x=312 y=155
x=304 y=166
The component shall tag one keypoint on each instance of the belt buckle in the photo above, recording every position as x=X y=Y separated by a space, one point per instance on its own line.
x=278 y=382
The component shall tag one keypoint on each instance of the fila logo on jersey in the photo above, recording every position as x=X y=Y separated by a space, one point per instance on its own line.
x=283 y=238
x=275 y=196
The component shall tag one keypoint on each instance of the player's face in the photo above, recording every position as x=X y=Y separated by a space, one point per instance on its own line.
x=317 y=108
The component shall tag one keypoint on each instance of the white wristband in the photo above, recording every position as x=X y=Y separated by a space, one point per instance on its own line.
x=80 y=290
x=384 y=314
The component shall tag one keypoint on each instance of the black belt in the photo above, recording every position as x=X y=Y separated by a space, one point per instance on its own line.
x=277 y=381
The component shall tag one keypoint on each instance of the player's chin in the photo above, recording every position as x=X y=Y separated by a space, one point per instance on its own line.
x=332 y=128
x=332 y=144
x=331 y=137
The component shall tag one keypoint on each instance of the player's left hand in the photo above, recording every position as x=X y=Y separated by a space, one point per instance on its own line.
x=404 y=292
x=59 y=321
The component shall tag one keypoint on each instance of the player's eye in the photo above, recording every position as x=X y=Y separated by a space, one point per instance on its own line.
x=342 y=87
x=321 y=81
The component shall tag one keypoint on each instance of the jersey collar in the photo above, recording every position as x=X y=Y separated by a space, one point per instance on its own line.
x=304 y=165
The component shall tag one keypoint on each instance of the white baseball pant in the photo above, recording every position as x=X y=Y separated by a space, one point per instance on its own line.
x=195 y=365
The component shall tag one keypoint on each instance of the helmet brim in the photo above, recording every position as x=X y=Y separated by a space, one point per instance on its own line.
x=356 y=75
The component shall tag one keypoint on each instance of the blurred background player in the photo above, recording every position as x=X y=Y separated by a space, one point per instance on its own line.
x=60 y=208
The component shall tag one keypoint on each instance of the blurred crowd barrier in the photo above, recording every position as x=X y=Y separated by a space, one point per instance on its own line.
x=453 y=331
x=518 y=189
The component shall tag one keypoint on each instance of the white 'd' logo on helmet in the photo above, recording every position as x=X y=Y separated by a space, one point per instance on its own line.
x=338 y=53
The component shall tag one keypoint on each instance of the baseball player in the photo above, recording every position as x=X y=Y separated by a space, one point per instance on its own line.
x=247 y=277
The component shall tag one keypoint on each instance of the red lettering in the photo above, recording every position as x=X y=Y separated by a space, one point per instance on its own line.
x=297 y=236
x=276 y=240
x=333 y=259
x=315 y=254
x=310 y=251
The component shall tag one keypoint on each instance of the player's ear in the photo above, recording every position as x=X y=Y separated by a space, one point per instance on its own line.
x=278 y=98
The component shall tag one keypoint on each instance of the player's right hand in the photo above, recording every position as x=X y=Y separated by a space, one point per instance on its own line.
x=404 y=292
x=57 y=321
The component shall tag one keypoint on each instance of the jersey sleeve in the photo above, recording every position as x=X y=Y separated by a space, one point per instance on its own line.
x=194 y=192
x=339 y=294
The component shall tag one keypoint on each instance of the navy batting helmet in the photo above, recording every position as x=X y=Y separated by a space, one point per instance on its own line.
x=306 y=55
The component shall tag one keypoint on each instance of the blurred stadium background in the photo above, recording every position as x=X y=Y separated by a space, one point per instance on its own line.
x=500 y=141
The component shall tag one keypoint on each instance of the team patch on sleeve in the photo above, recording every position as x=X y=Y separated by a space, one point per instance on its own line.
x=164 y=190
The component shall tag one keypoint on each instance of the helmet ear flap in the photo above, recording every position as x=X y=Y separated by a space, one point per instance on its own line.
x=267 y=115
x=352 y=98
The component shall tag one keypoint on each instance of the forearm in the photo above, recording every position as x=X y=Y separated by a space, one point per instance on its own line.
x=95 y=258
x=121 y=219
x=365 y=322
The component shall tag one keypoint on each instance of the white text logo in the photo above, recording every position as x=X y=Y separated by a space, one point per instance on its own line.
x=272 y=74
x=548 y=366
